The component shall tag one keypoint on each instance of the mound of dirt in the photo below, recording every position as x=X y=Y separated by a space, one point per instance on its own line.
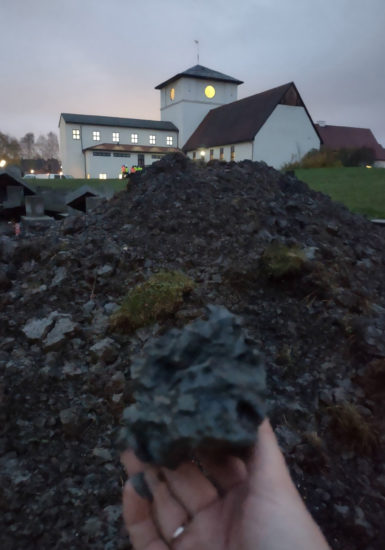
x=305 y=276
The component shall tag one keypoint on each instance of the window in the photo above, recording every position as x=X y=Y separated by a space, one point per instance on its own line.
x=100 y=154
x=152 y=140
x=169 y=140
x=96 y=135
x=194 y=155
x=115 y=136
x=102 y=176
x=134 y=138
x=221 y=154
x=232 y=152
x=156 y=156
x=122 y=155
x=211 y=154
x=75 y=134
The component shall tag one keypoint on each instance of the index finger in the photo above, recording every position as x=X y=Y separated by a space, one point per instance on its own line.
x=131 y=463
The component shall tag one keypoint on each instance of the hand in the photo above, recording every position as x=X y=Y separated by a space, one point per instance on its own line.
x=251 y=505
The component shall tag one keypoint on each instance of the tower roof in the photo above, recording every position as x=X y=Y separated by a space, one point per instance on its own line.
x=198 y=71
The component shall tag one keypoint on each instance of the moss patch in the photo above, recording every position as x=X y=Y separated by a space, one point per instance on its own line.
x=159 y=296
x=352 y=429
x=279 y=261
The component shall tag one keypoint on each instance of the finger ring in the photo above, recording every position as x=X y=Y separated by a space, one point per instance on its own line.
x=177 y=533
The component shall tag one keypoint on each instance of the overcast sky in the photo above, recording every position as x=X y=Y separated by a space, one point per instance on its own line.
x=104 y=57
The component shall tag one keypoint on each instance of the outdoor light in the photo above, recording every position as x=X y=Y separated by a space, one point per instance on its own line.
x=32 y=171
x=2 y=163
x=202 y=153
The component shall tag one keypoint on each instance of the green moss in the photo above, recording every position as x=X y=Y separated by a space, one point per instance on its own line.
x=352 y=429
x=159 y=296
x=279 y=261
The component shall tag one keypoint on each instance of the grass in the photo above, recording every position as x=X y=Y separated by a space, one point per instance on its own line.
x=279 y=261
x=351 y=429
x=70 y=184
x=362 y=190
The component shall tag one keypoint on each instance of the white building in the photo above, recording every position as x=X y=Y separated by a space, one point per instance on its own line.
x=273 y=126
x=200 y=115
x=97 y=146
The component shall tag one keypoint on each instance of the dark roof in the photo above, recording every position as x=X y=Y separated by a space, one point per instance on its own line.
x=241 y=120
x=9 y=177
x=117 y=121
x=132 y=148
x=347 y=137
x=198 y=71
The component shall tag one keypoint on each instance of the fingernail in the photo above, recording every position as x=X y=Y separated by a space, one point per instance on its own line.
x=140 y=485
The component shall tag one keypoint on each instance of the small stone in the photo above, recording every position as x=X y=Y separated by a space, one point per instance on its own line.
x=64 y=327
x=104 y=350
x=102 y=454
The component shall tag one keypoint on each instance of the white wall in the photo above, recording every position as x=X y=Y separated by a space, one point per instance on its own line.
x=242 y=151
x=379 y=164
x=111 y=165
x=74 y=160
x=286 y=136
x=191 y=105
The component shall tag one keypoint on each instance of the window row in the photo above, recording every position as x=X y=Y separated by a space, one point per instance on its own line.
x=116 y=137
x=221 y=153
x=106 y=154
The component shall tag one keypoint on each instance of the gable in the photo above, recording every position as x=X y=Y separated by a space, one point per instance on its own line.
x=241 y=120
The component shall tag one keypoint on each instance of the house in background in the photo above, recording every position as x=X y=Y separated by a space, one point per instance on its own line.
x=97 y=146
x=273 y=126
x=201 y=115
x=346 y=137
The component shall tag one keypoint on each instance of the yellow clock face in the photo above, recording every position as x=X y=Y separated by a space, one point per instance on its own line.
x=210 y=92
x=172 y=94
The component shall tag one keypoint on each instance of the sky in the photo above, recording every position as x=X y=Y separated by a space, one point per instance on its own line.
x=105 y=57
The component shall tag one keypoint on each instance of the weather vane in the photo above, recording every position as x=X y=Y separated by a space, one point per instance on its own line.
x=197 y=43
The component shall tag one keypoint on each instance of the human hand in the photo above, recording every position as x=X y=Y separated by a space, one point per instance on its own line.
x=239 y=505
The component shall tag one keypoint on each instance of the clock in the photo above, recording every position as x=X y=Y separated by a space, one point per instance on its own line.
x=210 y=91
x=172 y=94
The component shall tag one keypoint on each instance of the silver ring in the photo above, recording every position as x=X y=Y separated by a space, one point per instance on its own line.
x=178 y=532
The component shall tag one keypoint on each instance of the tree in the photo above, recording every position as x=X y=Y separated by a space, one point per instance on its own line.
x=47 y=147
x=9 y=149
x=28 y=147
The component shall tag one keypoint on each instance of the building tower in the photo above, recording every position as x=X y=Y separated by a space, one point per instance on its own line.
x=186 y=98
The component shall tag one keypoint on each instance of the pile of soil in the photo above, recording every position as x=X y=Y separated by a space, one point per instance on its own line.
x=304 y=274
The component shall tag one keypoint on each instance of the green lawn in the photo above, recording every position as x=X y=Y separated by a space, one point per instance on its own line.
x=362 y=190
x=70 y=184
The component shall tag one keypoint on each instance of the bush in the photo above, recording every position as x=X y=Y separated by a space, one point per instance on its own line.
x=326 y=158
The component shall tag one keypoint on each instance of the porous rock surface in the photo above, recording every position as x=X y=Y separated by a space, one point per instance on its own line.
x=200 y=388
x=320 y=328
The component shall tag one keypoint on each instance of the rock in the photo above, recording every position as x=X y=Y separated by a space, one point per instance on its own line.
x=197 y=388
x=72 y=421
x=58 y=335
x=104 y=350
x=103 y=455
x=37 y=329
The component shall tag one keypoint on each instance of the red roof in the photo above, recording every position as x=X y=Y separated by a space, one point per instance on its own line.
x=241 y=120
x=346 y=137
